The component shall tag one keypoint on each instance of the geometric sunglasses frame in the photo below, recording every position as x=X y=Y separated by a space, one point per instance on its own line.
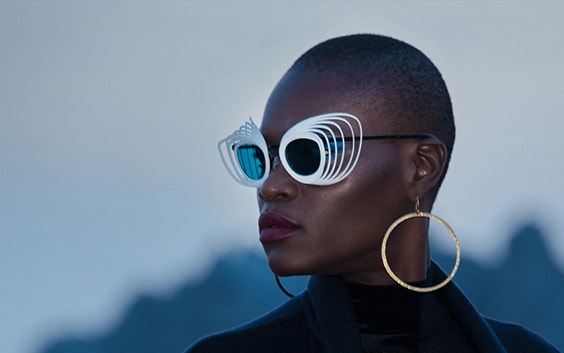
x=338 y=136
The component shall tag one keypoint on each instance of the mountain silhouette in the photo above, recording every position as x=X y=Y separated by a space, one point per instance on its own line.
x=525 y=288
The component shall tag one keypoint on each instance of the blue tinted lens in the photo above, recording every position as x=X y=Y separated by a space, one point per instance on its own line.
x=252 y=161
x=334 y=147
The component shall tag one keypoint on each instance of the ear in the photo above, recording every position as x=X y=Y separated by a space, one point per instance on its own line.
x=429 y=161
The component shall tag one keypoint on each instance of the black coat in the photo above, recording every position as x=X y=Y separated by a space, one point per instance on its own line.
x=322 y=319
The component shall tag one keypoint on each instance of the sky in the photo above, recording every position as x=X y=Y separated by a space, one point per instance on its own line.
x=110 y=111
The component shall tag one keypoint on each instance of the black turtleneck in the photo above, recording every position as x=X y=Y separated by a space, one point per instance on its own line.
x=387 y=316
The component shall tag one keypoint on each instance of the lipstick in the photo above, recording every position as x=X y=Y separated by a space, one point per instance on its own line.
x=273 y=227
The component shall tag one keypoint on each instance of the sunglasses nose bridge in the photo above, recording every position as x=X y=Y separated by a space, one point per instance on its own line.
x=276 y=164
x=273 y=158
x=278 y=184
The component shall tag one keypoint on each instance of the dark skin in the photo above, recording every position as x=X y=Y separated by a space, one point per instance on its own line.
x=341 y=226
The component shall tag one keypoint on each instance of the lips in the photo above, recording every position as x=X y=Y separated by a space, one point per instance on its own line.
x=274 y=226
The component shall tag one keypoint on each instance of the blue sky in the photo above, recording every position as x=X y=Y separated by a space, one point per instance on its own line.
x=110 y=183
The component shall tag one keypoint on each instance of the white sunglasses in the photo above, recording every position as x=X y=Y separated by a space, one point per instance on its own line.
x=321 y=150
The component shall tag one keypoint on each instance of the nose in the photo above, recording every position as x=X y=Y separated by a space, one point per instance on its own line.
x=279 y=185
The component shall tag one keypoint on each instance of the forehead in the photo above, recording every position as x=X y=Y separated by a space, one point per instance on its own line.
x=302 y=95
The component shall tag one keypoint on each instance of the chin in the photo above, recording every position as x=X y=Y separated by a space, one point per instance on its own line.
x=285 y=270
x=284 y=266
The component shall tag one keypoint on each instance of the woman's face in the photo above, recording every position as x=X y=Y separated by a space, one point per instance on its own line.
x=335 y=229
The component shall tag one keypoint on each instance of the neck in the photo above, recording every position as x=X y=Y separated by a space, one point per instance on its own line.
x=409 y=259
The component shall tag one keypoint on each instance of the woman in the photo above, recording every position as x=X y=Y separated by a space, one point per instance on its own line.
x=355 y=141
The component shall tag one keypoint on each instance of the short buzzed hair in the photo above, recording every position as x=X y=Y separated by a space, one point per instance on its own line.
x=391 y=76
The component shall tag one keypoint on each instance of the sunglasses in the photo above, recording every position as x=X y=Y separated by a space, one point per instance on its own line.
x=321 y=150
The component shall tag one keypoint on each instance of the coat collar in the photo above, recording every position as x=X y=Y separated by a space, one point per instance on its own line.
x=331 y=317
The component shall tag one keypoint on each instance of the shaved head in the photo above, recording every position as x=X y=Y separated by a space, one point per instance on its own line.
x=387 y=78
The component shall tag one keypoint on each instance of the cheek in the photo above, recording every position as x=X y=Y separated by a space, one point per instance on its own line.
x=364 y=206
x=346 y=230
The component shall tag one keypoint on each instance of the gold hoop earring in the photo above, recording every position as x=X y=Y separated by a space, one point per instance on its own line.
x=415 y=214
x=282 y=287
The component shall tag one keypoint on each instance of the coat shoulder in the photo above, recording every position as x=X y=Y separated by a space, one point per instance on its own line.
x=275 y=331
x=516 y=338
